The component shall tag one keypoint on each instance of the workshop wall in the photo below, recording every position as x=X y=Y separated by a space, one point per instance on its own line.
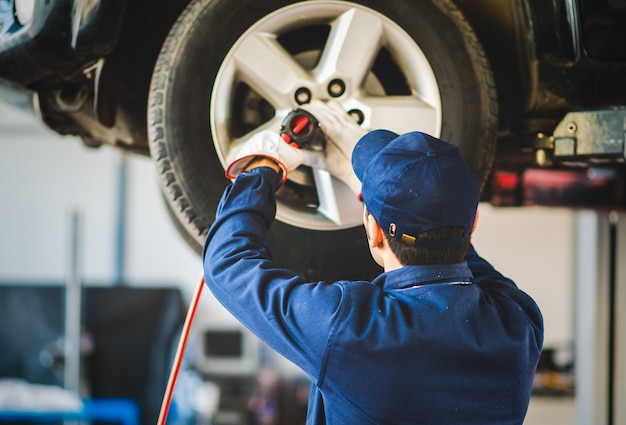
x=46 y=178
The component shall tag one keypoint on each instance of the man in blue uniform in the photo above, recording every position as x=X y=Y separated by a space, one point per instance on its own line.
x=440 y=337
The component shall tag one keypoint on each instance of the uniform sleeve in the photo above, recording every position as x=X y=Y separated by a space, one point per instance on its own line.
x=496 y=285
x=482 y=270
x=293 y=316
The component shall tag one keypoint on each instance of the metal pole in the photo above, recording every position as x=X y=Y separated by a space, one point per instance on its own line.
x=120 y=234
x=600 y=320
x=619 y=377
x=73 y=308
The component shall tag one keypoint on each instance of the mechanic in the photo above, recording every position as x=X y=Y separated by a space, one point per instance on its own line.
x=440 y=337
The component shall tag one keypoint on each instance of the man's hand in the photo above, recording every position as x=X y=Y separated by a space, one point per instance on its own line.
x=342 y=134
x=265 y=144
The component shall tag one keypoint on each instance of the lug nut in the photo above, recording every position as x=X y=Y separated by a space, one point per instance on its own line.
x=336 y=88
x=303 y=96
x=357 y=116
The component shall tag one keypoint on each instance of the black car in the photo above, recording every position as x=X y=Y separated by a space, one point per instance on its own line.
x=519 y=85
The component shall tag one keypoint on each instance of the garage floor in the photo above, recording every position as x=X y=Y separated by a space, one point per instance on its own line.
x=551 y=410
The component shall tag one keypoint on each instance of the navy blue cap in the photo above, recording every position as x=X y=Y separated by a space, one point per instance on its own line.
x=414 y=182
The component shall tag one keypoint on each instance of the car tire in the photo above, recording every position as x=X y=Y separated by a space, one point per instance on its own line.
x=194 y=109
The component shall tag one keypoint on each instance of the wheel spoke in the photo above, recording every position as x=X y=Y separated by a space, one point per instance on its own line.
x=352 y=45
x=402 y=114
x=269 y=69
x=336 y=201
x=273 y=124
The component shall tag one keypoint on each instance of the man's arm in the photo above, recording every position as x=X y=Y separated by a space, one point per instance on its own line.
x=288 y=313
x=483 y=270
x=494 y=283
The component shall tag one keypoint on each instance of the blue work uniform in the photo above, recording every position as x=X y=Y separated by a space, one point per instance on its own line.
x=443 y=344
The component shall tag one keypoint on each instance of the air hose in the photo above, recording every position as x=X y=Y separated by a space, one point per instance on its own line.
x=180 y=351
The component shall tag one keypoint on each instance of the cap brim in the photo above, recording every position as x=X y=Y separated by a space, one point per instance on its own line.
x=368 y=147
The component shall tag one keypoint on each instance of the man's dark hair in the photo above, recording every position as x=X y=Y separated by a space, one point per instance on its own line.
x=412 y=255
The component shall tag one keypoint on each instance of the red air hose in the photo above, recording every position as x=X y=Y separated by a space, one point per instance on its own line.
x=180 y=351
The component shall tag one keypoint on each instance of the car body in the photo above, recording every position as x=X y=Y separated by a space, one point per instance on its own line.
x=132 y=73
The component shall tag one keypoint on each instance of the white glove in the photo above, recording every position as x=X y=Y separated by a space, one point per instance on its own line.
x=267 y=144
x=342 y=134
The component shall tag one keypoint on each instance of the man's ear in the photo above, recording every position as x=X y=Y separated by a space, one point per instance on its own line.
x=375 y=235
x=475 y=221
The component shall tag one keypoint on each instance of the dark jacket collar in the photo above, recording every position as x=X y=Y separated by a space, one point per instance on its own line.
x=408 y=276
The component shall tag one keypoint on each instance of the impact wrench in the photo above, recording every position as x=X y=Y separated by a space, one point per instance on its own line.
x=301 y=130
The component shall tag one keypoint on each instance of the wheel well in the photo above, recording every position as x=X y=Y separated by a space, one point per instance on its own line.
x=113 y=109
x=145 y=26
x=504 y=30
